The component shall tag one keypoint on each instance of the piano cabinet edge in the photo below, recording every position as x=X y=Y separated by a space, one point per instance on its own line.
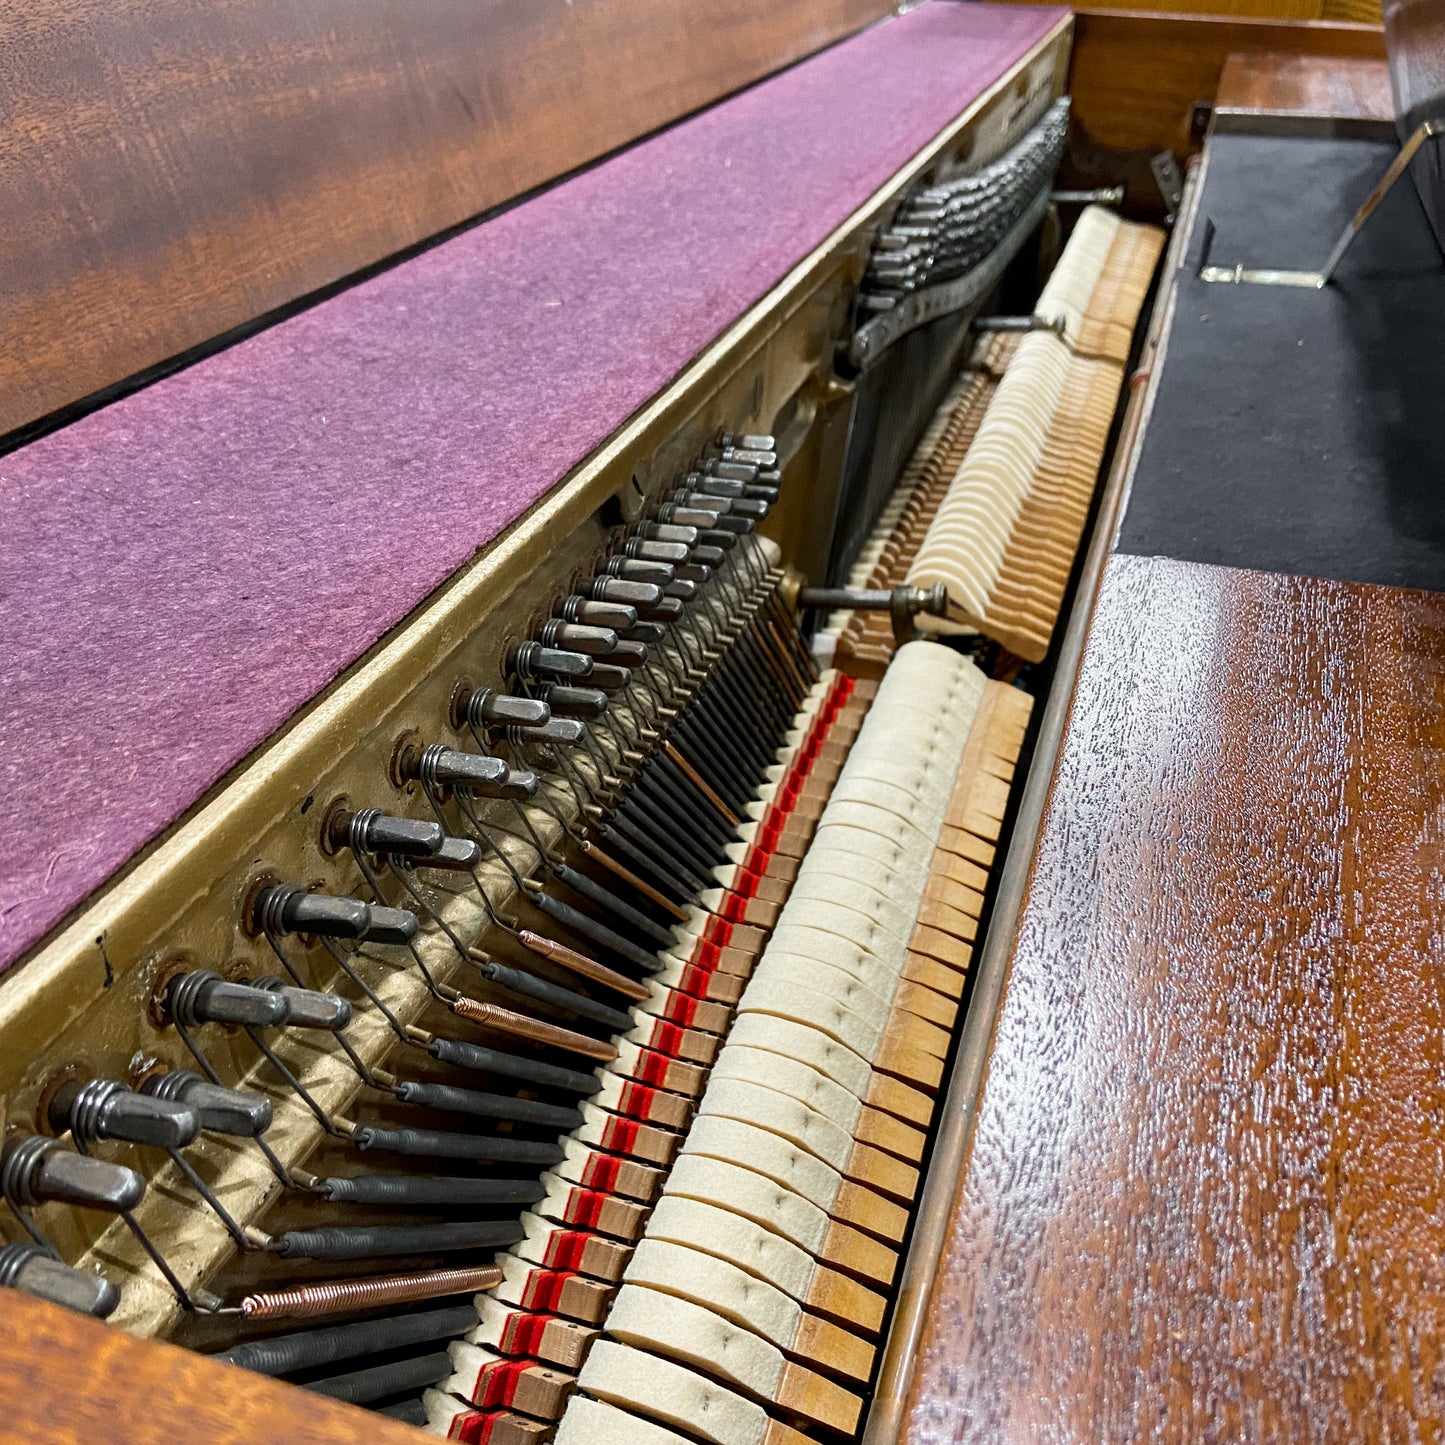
x=895 y=1396
x=71 y=1381
x=1136 y=77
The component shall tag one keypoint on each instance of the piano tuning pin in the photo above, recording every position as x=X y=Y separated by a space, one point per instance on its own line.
x=559 y=730
x=739 y=472
x=660 y=531
x=529 y=660
x=201 y=996
x=608 y=678
x=308 y=1008
x=756 y=456
x=37 y=1170
x=486 y=707
x=636 y=569
x=747 y=441
x=31 y=1270
x=102 y=1109
x=223 y=1111
x=619 y=616
x=576 y=637
x=371 y=831
x=474 y=773
x=644 y=550
x=587 y=703
x=602 y=588
x=456 y=855
x=738 y=524
x=628 y=653
x=696 y=518
x=287 y=908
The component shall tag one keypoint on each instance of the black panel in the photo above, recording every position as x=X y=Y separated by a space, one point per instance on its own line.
x=1299 y=430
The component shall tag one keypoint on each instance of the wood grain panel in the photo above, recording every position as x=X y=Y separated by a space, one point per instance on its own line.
x=1135 y=77
x=171 y=169
x=1260 y=9
x=1415 y=34
x=67 y=1380
x=1203 y=1198
x=1275 y=84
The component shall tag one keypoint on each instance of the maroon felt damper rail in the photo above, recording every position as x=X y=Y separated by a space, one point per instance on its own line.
x=184 y=569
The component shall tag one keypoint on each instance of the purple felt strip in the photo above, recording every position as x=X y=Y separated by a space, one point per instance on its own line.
x=185 y=568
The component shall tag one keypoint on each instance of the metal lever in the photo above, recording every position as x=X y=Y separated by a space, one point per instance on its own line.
x=1056 y=324
x=1104 y=196
x=903 y=604
x=1242 y=275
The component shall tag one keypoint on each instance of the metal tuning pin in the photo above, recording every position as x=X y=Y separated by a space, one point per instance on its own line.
x=223 y=1111
x=103 y=1109
x=478 y=774
x=747 y=441
x=531 y=661
x=734 y=525
x=618 y=589
x=456 y=855
x=608 y=678
x=758 y=457
x=707 y=490
x=619 y=616
x=38 y=1170
x=629 y=652
x=576 y=637
x=636 y=569
x=642 y=550
x=307 y=1008
x=204 y=997
x=730 y=471
x=559 y=730
x=372 y=831
x=587 y=703
x=489 y=708
x=31 y=1270
x=660 y=531
x=287 y=908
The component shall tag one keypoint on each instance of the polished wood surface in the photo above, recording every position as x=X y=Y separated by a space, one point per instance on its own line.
x=1135 y=77
x=172 y=169
x=67 y=1380
x=1415 y=35
x=1287 y=85
x=1203 y=1197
